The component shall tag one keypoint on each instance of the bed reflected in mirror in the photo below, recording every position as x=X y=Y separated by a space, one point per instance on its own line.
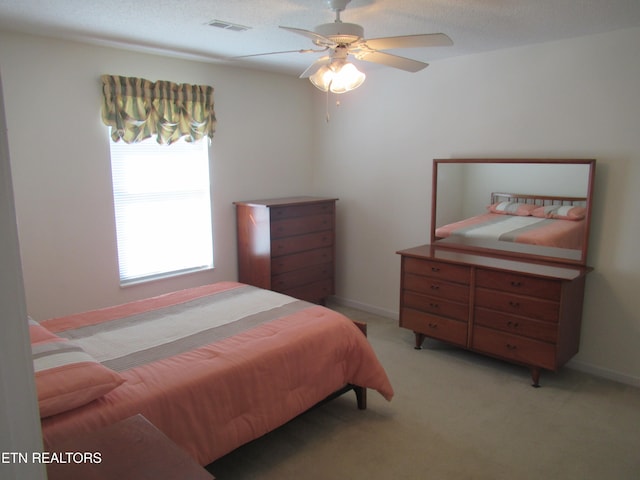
x=521 y=207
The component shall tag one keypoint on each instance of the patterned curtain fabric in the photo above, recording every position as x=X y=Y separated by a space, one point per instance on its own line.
x=136 y=109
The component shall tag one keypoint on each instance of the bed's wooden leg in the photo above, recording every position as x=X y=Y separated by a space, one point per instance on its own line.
x=361 y=397
x=362 y=326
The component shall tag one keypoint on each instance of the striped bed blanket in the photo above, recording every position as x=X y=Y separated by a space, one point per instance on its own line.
x=141 y=338
x=216 y=366
x=520 y=229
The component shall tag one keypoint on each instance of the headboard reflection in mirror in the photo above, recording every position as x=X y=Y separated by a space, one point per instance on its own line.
x=527 y=208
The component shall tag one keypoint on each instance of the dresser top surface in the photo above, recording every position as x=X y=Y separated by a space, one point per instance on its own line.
x=544 y=269
x=286 y=201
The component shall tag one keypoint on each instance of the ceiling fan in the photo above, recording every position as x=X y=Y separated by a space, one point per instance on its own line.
x=333 y=72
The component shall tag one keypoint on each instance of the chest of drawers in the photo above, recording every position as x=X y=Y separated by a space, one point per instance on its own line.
x=524 y=312
x=288 y=245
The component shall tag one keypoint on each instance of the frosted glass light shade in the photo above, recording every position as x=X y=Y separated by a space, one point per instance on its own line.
x=338 y=77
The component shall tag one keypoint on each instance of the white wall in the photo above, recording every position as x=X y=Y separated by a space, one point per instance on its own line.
x=574 y=99
x=62 y=179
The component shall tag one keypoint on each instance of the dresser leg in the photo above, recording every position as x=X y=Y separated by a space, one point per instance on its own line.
x=419 y=340
x=535 y=376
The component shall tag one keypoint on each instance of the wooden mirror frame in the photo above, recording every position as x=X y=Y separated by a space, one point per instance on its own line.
x=512 y=249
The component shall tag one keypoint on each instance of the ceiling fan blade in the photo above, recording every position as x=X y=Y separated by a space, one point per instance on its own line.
x=278 y=53
x=317 y=39
x=410 y=41
x=394 y=61
x=315 y=66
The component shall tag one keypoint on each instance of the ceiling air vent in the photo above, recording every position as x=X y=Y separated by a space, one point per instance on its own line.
x=228 y=26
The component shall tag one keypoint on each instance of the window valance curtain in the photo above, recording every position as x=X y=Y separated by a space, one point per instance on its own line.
x=136 y=109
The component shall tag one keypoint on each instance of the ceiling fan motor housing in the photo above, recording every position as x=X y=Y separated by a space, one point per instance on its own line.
x=337 y=5
x=341 y=33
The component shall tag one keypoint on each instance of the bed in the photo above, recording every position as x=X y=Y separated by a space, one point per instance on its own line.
x=213 y=367
x=550 y=221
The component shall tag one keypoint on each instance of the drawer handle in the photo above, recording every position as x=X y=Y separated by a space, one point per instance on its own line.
x=434 y=305
x=514 y=304
x=516 y=284
x=433 y=325
x=511 y=347
x=435 y=269
x=512 y=324
x=435 y=287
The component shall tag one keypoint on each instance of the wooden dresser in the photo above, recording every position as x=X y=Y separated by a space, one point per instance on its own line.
x=288 y=245
x=521 y=311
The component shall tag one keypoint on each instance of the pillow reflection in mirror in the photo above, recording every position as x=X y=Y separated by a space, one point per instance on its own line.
x=561 y=212
x=512 y=208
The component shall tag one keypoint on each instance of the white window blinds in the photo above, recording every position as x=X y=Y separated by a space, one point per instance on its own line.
x=162 y=208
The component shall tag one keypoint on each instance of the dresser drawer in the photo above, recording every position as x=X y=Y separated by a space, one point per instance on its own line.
x=301 y=243
x=301 y=225
x=513 y=347
x=519 y=284
x=543 y=331
x=300 y=277
x=436 y=287
x=301 y=210
x=313 y=292
x=436 y=306
x=435 y=269
x=518 y=305
x=295 y=261
x=445 y=329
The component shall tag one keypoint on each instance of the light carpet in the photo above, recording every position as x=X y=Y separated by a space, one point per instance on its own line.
x=455 y=415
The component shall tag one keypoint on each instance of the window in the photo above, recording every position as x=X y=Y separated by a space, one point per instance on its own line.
x=162 y=208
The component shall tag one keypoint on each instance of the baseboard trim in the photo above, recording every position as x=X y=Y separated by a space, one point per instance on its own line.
x=573 y=364
x=365 y=307
x=604 y=373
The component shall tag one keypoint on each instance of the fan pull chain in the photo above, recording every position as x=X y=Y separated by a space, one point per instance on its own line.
x=327 y=107
x=327 y=116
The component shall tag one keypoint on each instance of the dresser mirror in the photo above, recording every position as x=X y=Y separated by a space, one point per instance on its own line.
x=512 y=207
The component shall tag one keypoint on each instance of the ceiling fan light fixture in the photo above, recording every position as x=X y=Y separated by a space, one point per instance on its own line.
x=333 y=73
x=337 y=77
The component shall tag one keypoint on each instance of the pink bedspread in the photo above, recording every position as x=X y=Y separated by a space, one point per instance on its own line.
x=520 y=229
x=214 y=388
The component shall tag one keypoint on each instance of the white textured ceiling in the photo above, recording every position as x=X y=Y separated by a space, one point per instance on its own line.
x=181 y=27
